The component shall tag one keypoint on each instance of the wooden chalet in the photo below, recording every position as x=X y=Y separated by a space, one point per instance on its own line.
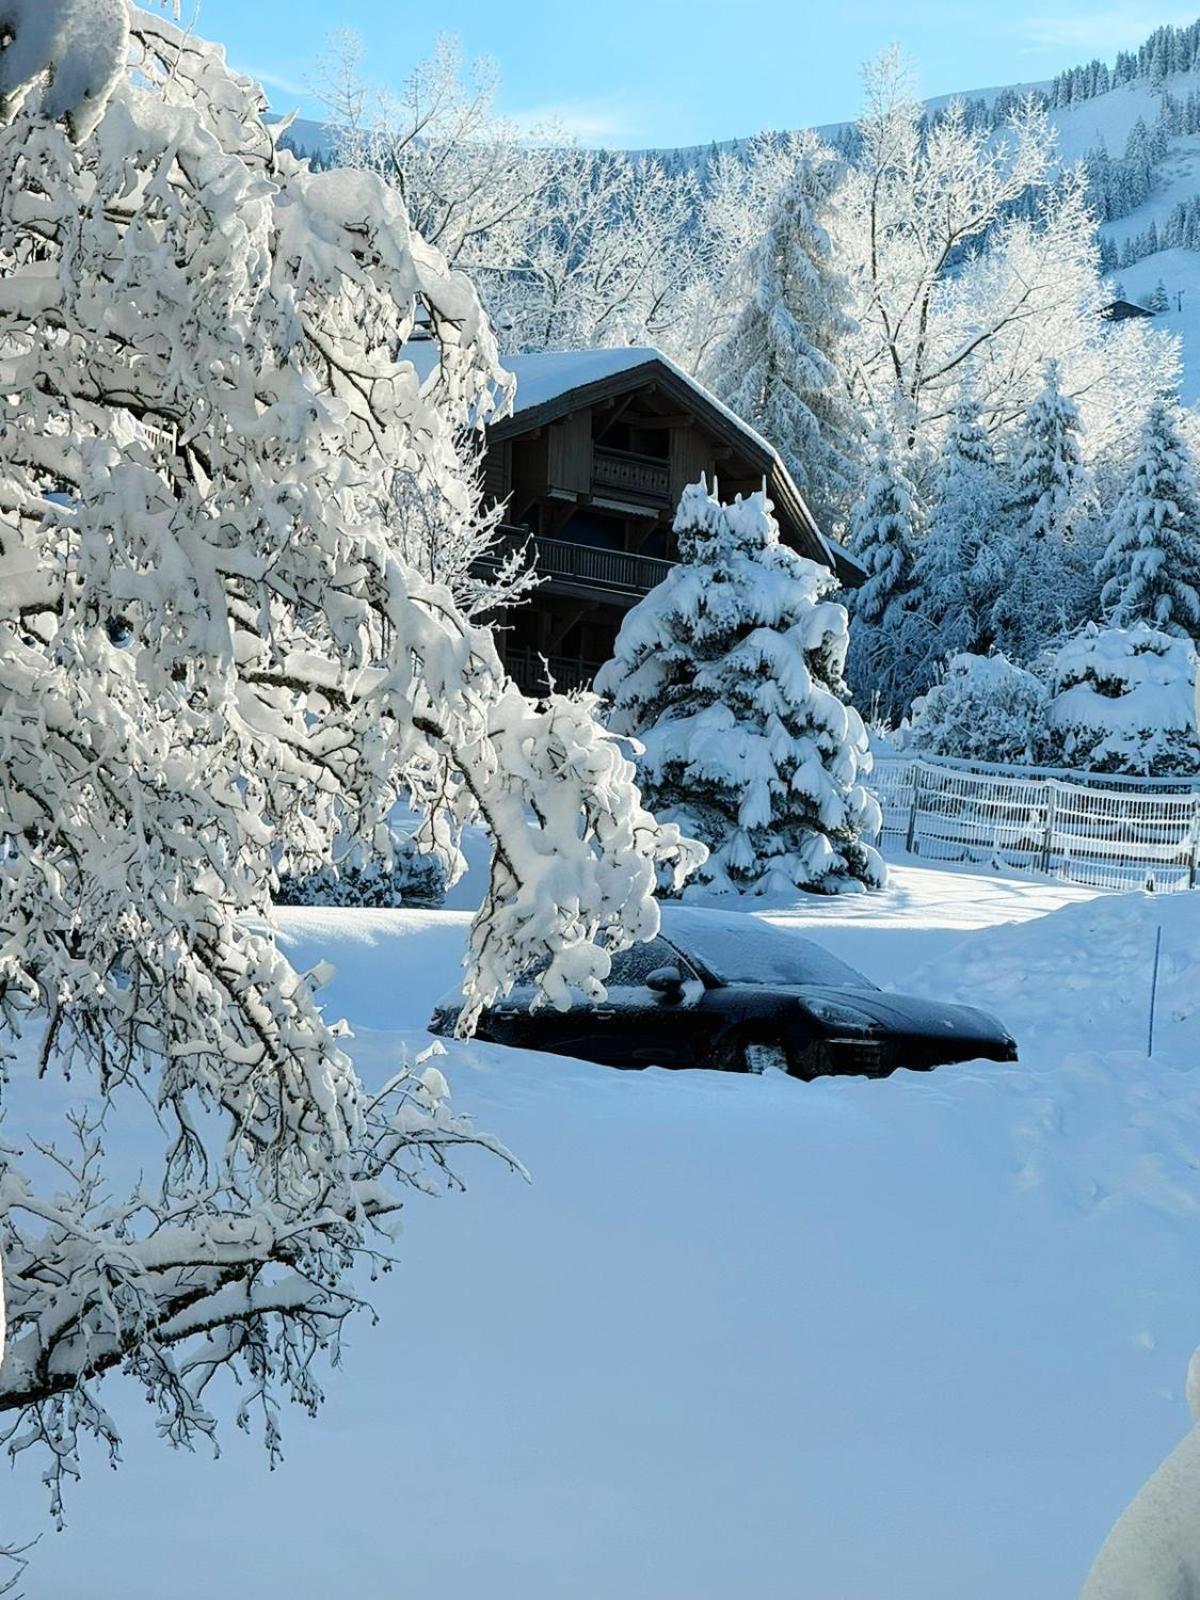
x=589 y=468
x=1123 y=310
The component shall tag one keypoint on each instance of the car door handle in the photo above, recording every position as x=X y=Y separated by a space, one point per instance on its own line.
x=605 y=1013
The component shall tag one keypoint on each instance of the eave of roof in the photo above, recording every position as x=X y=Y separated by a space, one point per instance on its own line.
x=654 y=367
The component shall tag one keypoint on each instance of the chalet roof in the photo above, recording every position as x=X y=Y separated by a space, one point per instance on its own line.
x=1121 y=310
x=553 y=383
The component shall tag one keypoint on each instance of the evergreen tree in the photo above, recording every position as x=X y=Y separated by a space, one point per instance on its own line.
x=1159 y=301
x=958 y=568
x=1051 y=494
x=1047 y=562
x=1151 y=568
x=884 y=532
x=730 y=675
x=778 y=365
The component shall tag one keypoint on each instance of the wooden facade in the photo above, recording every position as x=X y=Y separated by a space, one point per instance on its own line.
x=589 y=471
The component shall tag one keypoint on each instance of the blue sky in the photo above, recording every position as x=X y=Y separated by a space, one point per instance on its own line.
x=667 y=72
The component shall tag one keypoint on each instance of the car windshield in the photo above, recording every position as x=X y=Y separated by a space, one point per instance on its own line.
x=743 y=949
x=631 y=968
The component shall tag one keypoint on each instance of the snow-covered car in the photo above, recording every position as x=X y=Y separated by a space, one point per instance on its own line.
x=729 y=991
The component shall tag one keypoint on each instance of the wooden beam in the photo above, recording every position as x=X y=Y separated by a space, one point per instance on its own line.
x=555 y=516
x=619 y=410
x=682 y=419
x=635 y=538
x=563 y=626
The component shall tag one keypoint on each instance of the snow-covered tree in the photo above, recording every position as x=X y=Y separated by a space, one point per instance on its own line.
x=212 y=651
x=565 y=246
x=972 y=253
x=1050 y=488
x=983 y=709
x=414 y=877
x=1159 y=300
x=609 y=258
x=741 y=185
x=1124 y=700
x=778 y=366
x=1047 y=581
x=958 y=566
x=730 y=675
x=1151 y=568
x=883 y=536
x=472 y=180
x=884 y=532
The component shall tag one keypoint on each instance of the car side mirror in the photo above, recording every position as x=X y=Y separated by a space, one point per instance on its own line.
x=666 y=981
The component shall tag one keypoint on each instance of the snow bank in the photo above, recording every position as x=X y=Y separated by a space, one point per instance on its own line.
x=911 y=1340
x=1153 y=1553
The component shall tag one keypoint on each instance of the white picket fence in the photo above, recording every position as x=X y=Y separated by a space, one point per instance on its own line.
x=1124 y=834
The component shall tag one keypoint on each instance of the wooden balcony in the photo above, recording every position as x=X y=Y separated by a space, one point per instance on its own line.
x=584 y=566
x=623 y=475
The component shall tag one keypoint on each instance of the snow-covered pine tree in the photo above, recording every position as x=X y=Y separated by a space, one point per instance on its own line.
x=730 y=675
x=1151 y=568
x=1048 y=581
x=958 y=566
x=1050 y=489
x=212 y=651
x=1159 y=300
x=778 y=367
x=883 y=536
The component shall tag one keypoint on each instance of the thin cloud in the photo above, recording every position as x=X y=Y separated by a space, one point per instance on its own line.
x=603 y=121
x=1093 y=33
x=274 y=80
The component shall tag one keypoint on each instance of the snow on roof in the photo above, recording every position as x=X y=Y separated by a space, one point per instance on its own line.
x=545 y=375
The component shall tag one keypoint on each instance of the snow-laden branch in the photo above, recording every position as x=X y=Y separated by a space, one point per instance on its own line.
x=226 y=632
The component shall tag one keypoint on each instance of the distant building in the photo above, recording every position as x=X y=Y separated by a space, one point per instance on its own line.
x=590 y=467
x=1122 y=310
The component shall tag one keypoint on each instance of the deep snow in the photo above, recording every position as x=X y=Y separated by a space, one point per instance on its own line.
x=912 y=1340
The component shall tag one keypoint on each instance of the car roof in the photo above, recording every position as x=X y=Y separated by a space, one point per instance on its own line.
x=710 y=938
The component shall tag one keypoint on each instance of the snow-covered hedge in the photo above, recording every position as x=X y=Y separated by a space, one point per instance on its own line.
x=415 y=877
x=1119 y=700
x=1125 y=701
x=985 y=709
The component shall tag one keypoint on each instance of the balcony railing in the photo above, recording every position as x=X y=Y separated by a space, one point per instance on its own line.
x=585 y=564
x=536 y=674
x=630 y=475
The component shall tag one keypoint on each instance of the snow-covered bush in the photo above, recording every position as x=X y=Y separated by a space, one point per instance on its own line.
x=984 y=709
x=413 y=877
x=1124 y=700
x=730 y=675
x=213 y=653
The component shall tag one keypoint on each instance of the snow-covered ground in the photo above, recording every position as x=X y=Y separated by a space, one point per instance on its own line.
x=910 y=1340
